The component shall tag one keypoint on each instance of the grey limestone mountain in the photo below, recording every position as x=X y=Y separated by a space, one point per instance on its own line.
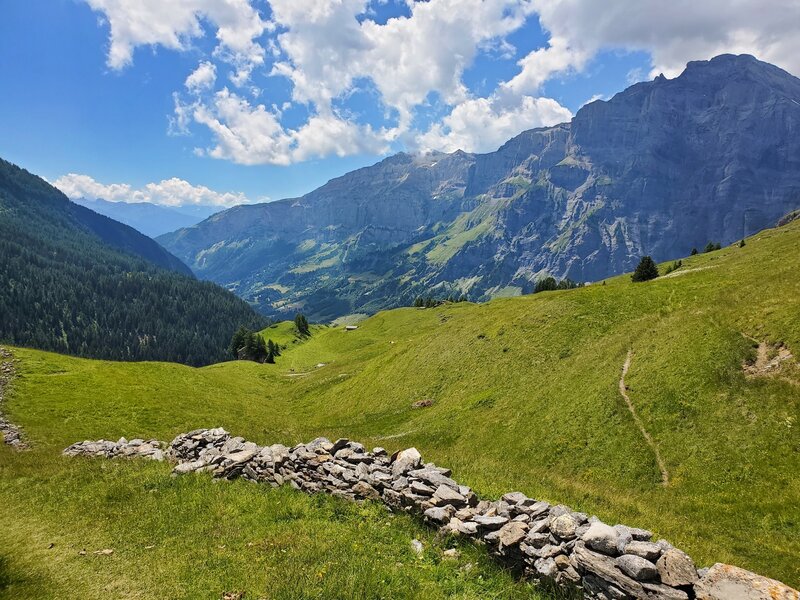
x=662 y=167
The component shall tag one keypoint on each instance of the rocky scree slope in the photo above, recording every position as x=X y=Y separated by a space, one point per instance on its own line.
x=551 y=544
x=662 y=167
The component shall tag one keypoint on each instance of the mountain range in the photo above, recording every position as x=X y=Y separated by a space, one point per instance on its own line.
x=148 y=218
x=663 y=167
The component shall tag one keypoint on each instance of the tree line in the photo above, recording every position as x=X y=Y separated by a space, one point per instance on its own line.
x=550 y=284
x=250 y=345
x=431 y=302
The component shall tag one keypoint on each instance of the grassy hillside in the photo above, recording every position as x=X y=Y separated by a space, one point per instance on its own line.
x=526 y=396
x=284 y=333
x=189 y=538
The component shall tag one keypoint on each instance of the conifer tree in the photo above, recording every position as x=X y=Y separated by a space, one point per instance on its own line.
x=238 y=341
x=260 y=348
x=250 y=347
x=645 y=271
x=271 y=352
x=301 y=323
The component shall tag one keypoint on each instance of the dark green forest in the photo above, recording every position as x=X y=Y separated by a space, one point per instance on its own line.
x=75 y=282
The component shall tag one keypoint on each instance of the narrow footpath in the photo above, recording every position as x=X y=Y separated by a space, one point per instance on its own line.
x=623 y=390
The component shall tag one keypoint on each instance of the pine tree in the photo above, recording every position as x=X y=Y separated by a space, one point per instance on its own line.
x=260 y=349
x=741 y=244
x=646 y=270
x=301 y=323
x=250 y=347
x=238 y=341
x=271 y=352
x=694 y=251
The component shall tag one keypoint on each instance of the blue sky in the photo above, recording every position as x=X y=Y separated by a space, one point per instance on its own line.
x=211 y=101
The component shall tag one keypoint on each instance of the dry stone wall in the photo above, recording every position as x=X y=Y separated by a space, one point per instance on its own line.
x=552 y=545
x=11 y=434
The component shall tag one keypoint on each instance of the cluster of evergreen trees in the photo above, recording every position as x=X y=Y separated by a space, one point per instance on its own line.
x=64 y=288
x=710 y=247
x=550 y=284
x=250 y=345
x=301 y=324
x=673 y=267
x=431 y=302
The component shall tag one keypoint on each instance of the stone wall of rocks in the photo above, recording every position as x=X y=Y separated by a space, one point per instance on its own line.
x=552 y=545
x=12 y=435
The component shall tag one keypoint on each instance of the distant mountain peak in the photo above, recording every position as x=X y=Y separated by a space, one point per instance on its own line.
x=149 y=218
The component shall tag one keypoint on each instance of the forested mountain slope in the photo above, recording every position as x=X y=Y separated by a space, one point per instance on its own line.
x=664 y=166
x=74 y=281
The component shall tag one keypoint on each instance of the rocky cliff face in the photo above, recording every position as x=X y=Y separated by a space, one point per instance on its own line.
x=661 y=168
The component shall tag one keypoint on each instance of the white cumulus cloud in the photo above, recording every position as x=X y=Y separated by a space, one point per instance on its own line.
x=327 y=49
x=169 y=192
x=173 y=24
x=674 y=32
x=251 y=135
x=484 y=124
x=202 y=78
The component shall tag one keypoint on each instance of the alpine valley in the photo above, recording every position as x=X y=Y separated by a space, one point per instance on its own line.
x=568 y=368
x=663 y=167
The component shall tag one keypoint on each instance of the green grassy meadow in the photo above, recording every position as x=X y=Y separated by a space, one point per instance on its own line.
x=525 y=397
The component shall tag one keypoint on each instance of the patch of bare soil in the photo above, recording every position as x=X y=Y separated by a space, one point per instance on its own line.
x=680 y=272
x=772 y=360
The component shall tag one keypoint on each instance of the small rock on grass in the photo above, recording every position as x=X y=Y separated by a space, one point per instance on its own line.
x=417 y=546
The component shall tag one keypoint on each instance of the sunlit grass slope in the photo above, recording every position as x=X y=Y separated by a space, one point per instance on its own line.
x=284 y=333
x=525 y=396
x=190 y=538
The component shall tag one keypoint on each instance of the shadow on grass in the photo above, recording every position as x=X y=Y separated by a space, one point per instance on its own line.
x=5 y=574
